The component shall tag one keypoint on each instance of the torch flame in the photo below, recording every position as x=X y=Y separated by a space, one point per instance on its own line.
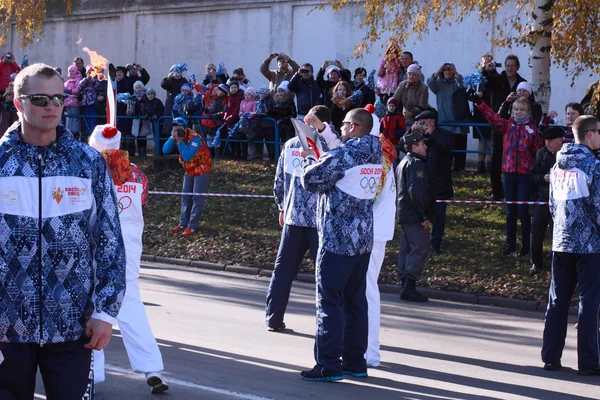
x=98 y=63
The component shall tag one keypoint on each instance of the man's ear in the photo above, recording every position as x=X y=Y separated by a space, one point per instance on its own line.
x=18 y=104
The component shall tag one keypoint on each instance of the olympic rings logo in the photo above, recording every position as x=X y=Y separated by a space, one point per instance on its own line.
x=369 y=184
x=297 y=164
x=124 y=203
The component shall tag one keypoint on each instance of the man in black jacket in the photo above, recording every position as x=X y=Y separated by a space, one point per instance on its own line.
x=501 y=86
x=439 y=169
x=414 y=210
x=545 y=159
x=308 y=93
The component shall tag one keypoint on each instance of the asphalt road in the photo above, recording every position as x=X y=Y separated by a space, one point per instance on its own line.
x=215 y=346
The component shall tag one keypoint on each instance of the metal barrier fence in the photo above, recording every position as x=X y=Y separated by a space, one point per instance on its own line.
x=159 y=140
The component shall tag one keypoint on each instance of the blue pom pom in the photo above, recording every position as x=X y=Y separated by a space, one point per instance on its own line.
x=474 y=80
x=371 y=79
x=220 y=68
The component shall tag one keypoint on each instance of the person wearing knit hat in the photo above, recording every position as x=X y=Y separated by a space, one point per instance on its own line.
x=545 y=158
x=131 y=188
x=195 y=158
x=263 y=90
x=186 y=86
x=284 y=86
x=250 y=90
x=524 y=86
x=392 y=123
x=523 y=91
x=412 y=93
x=328 y=77
x=172 y=84
x=239 y=76
x=223 y=88
x=150 y=91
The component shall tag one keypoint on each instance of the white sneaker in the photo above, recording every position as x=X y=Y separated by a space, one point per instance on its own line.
x=156 y=382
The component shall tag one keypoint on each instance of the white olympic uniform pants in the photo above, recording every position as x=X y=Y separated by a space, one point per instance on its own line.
x=138 y=338
x=376 y=261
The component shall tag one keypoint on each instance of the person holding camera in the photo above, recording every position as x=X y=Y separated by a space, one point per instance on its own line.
x=172 y=83
x=487 y=66
x=308 y=94
x=335 y=72
x=452 y=106
x=137 y=73
x=194 y=156
x=286 y=68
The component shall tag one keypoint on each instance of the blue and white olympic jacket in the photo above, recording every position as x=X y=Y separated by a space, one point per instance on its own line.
x=62 y=258
x=298 y=205
x=346 y=179
x=575 y=200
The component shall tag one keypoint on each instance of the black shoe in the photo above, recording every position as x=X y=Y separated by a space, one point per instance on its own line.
x=508 y=251
x=316 y=375
x=589 y=372
x=436 y=252
x=410 y=293
x=552 y=366
x=523 y=252
x=534 y=270
x=278 y=329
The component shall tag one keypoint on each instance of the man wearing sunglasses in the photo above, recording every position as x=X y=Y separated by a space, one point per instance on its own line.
x=575 y=208
x=62 y=258
x=346 y=180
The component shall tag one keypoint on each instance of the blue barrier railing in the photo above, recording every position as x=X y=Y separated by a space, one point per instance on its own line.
x=159 y=140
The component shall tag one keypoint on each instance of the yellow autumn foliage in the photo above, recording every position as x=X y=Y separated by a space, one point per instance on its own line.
x=573 y=25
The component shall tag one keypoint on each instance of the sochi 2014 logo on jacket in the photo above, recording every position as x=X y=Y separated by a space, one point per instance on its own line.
x=361 y=181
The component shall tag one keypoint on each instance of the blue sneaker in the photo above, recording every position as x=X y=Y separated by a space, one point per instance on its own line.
x=316 y=375
x=356 y=374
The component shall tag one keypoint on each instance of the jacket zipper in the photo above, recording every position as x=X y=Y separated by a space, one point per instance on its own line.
x=40 y=248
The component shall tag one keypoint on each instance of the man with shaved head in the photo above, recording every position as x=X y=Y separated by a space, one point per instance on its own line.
x=346 y=179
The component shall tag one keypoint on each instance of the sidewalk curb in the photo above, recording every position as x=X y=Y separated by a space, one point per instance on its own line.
x=458 y=297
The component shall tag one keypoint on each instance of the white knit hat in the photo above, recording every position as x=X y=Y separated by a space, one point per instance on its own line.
x=413 y=68
x=105 y=137
x=284 y=86
x=525 y=86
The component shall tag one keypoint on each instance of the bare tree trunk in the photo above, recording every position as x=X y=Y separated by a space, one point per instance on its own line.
x=539 y=52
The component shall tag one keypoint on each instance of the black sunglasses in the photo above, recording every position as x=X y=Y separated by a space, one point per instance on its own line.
x=42 y=100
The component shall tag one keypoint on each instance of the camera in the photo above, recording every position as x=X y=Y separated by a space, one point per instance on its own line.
x=180 y=133
x=304 y=71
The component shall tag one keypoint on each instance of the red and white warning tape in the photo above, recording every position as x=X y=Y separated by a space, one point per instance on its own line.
x=266 y=196
x=493 y=202
x=259 y=196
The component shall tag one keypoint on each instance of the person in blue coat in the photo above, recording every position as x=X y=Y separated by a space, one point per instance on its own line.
x=346 y=179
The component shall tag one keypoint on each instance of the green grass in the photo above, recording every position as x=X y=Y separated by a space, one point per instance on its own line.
x=245 y=231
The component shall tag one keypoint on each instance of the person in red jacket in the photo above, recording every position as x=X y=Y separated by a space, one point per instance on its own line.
x=520 y=142
x=393 y=125
x=8 y=66
x=231 y=115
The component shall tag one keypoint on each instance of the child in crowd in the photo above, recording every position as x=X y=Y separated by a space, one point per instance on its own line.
x=521 y=141
x=218 y=105
x=248 y=126
x=139 y=92
x=393 y=125
x=182 y=101
x=89 y=87
x=71 y=86
x=150 y=108
x=263 y=107
x=284 y=109
x=232 y=115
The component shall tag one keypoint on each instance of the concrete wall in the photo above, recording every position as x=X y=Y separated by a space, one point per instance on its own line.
x=242 y=33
